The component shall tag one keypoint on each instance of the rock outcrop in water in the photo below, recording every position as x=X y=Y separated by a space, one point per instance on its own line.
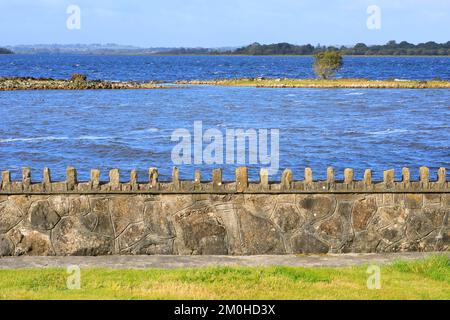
x=77 y=82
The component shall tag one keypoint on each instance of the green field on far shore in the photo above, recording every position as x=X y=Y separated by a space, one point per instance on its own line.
x=424 y=279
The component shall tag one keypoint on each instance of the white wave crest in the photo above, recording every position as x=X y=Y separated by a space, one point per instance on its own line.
x=54 y=138
x=388 y=131
x=355 y=93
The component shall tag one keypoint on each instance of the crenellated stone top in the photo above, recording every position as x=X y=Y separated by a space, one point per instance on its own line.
x=240 y=185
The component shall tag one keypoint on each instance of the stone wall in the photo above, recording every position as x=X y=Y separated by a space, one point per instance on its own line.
x=216 y=217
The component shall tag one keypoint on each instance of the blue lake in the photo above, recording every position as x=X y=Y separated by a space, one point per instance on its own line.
x=170 y=68
x=372 y=128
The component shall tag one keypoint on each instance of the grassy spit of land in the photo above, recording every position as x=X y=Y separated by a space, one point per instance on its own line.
x=322 y=83
x=28 y=83
x=424 y=279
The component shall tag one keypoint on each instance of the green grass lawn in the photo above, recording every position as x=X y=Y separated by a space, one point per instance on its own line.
x=425 y=279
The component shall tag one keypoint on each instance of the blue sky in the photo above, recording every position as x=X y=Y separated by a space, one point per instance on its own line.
x=214 y=23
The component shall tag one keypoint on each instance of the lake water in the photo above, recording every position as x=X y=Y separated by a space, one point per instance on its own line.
x=170 y=68
x=358 y=128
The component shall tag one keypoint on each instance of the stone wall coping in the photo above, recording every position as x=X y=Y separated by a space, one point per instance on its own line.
x=287 y=185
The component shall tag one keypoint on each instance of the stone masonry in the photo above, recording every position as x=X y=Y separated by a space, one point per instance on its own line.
x=223 y=218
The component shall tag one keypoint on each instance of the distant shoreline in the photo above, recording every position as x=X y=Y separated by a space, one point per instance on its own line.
x=24 y=83
x=391 y=48
x=214 y=55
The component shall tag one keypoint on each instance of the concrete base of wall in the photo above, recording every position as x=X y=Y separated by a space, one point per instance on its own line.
x=173 y=262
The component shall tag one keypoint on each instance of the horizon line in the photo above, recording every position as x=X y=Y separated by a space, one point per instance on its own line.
x=209 y=47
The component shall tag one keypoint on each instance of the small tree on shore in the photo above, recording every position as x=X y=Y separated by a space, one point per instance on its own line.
x=327 y=63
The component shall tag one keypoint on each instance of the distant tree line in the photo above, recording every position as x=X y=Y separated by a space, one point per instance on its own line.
x=277 y=48
x=390 y=48
x=193 y=51
x=5 y=51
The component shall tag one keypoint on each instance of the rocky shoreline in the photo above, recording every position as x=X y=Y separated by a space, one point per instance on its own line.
x=79 y=82
x=75 y=83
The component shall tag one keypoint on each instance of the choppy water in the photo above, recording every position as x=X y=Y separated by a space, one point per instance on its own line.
x=371 y=128
x=170 y=68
